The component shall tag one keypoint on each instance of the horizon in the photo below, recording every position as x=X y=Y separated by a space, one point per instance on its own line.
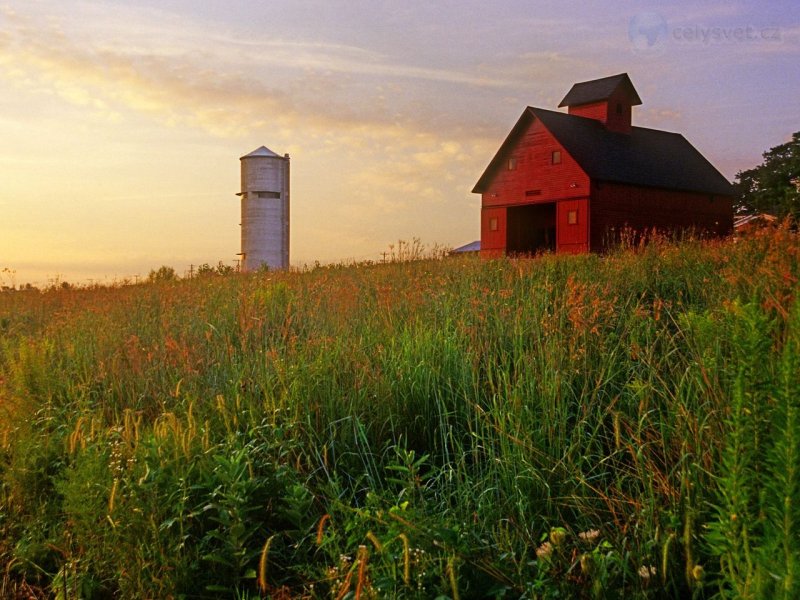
x=122 y=123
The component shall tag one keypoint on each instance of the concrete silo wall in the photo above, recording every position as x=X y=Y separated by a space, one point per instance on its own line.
x=265 y=210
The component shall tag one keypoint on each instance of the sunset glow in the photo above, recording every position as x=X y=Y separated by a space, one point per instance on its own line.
x=122 y=122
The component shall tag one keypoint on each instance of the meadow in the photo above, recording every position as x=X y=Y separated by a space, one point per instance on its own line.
x=620 y=426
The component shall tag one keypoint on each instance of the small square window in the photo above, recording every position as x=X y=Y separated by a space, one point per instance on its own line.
x=572 y=217
x=493 y=224
x=512 y=164
x=556 y=158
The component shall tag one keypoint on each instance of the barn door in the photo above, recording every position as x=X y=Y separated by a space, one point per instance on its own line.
x=573 y=226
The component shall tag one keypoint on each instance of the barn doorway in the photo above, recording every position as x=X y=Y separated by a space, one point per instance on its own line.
x=531 y=228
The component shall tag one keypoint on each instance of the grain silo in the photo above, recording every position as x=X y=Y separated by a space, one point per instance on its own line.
x=265 y=210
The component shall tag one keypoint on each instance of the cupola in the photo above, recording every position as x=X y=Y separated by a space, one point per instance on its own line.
x=609 y=100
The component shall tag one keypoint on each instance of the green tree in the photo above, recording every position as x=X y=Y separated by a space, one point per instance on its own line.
x=773 y=186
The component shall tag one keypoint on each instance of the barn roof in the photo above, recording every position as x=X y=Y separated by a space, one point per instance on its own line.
x=754 y=219
x=471 y=247
x=600 y=89
x=645 y=157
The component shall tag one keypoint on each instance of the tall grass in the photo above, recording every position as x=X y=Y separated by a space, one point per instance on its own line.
x=619 y=426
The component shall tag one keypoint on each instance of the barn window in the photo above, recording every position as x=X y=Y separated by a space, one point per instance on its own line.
x=512 y=164
x=493 y=224
x=556 y=158
x=268 y=194
x=572 y=217
x=619 y=108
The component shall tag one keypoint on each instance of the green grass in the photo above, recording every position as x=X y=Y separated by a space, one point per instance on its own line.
x=587 y=427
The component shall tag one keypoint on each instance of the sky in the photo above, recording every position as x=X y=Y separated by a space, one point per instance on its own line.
x=122 y=121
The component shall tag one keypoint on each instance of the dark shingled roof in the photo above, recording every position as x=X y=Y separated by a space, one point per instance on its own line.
x=599 y=89
x=645 y=157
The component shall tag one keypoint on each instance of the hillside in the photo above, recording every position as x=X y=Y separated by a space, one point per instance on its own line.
x=620 y=426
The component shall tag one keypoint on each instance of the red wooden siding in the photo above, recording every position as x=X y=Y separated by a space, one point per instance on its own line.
x=533 y=203
x=493 y=242
x=573 y=226
x=534 y=174
x=616 y=206
x=533 y=180
x=606 y=111
x=594 y=110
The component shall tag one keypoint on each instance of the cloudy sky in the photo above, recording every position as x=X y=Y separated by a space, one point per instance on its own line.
x=122 y=121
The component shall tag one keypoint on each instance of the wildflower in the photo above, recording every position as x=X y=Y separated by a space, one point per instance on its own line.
x=647 y=571
x=544 y=550
x=558 y=535
x=589 y=535
x=698 y=573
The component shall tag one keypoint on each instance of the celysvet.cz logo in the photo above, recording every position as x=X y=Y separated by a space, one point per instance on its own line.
x=717 y=35
x=650 y=33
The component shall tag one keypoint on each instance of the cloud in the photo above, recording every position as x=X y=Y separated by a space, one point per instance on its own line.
x=385 y=153
x=660 y=117
x=386 y=138
x=693 y=12
x=148 y=31
x=351 y=60
x=226 y=94
x=112 y=59
x=310 y=97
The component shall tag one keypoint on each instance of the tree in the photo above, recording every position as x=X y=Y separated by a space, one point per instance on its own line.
x=164 y=273
x=206 y=269
x=774 y=186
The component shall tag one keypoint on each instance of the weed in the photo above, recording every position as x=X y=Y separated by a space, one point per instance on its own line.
x=590 y=427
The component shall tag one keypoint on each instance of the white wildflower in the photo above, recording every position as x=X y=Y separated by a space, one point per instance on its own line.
x=590 y=535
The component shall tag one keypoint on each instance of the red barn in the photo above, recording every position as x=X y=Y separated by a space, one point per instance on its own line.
x=570 y=182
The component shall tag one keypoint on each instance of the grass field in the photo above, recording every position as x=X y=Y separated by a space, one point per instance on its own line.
x=624 y=426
